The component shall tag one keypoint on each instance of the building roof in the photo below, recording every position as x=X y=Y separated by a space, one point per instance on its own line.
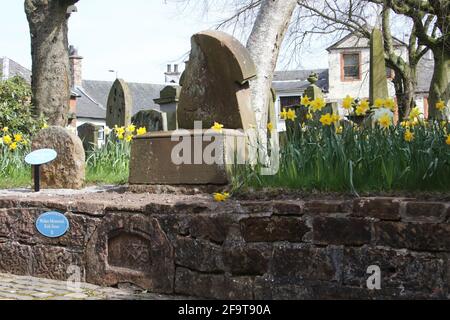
x=10 y=68
x=353 y=41
x=297 y=80
x=94 y=97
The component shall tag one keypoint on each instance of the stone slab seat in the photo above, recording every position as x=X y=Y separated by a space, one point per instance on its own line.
x=151 y=157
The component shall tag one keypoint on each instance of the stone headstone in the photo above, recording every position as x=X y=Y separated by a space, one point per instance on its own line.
x=215 y=84
x=378 y=79
x=68 y=170
x=88 y=134
x=120 y=104
x=152 y=120
x=168 y=101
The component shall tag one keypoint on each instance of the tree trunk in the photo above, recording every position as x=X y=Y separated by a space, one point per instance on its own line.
x=405 y=88
x=264 y=46
x=47 y=20
x=440 y=84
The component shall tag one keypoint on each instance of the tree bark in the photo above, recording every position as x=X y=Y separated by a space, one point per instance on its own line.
x=47 y=20
x=264 y=45
x=440 y=84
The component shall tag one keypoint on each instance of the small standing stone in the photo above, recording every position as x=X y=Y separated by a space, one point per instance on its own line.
x=68 y=170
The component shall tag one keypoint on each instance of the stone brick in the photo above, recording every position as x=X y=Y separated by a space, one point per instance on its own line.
x=405 y=273
x=198 y=255
x=379 y=208
x=257 y=206
x=425 y=212
x=327 y=206
x=341 y=231
x=283 y=208
x=15 y=258
x=213 y=286
x=213 y=228
x=273 y=229
x=54 y=262
x=414 y=236
x=247 y=260
x=293 y=264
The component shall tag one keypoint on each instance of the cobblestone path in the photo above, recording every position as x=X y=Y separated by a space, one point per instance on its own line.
x=28 y=288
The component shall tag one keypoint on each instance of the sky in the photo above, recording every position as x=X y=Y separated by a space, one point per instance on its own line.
x=136 y=38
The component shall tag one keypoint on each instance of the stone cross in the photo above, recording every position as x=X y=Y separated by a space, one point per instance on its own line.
x=120 y=104
x=215 y=85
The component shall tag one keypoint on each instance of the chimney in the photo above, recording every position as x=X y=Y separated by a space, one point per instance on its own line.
x=172 y=76
x=76 y=67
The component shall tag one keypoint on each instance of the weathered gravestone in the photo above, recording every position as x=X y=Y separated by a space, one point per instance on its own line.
x=120 y=104
x=215 y=84
x=88 y=134
x=68 y=170
x=215 y=88
x=378 y=79
x=152 y=120
x=168 y=101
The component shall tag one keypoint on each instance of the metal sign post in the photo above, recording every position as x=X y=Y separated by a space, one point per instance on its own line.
x=38 y=158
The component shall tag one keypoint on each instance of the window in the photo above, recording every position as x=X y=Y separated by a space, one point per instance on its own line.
x=286 y=102
x=351 y=66
x=390 y=73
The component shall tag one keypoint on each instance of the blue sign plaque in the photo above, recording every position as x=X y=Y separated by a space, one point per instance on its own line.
x=52 y=224
x=40 y=157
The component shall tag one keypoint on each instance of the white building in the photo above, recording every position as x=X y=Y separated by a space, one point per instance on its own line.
x=348 y=74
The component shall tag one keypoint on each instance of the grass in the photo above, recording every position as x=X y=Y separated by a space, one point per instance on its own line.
x=360 y=159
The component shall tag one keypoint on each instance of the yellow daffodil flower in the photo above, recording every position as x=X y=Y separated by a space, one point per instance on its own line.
x=217 y=127
x=326 y=120
x=13 y=146
x=318 y=104
x=141 y=131
x=448 y=140
x=120 y=136
x=7 y=140
x=45 y=126
x=415 y=113
x=284 y=114
x=1 y=141
x=379 y=103
x=221 y=197
x=131 y=128
x=309 y=116
x=18 y=137
x=291 y=115
x=5 y=129
x=339 y=130
x=390 y=104
x=305 y=101
x=365 y=104
x=440 y=106
x=120 y=131
x=385 y=121
x=348 y=103
x=335 y=118
x=129 y=137
x=361 y=111
x=409 y=136
x=270 y=126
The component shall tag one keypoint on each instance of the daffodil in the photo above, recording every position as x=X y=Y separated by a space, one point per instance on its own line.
x=414 y=114
x=283 y=114
x=339 y=130
x=120 y=136
x=405 y=124
x=390 y=104
x=409 y=136
x=305 y=101
x=385 y=121
x=107 y=130
x=291 y=115
x=217 y=127
x=1 y=141
x=120 y=131
x=335 y=117
x=221 y=197
x=361 y=111
x=326 y=120
x=18 y=137
x=318 y=104
x=348 y=103
x=270 y=126
x=440 y=106
x=45 y=126
x=5 y=129
x=309 y=116
x=379 y=103
x=448 y=140
x=13 y=146
x=364 y=104
x=141 y=131
x=131 y=128
x=7 y=140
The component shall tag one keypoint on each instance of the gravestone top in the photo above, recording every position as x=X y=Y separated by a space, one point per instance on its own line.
x=41 y=156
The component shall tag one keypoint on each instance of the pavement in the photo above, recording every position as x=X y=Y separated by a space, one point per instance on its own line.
x=28 y=288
